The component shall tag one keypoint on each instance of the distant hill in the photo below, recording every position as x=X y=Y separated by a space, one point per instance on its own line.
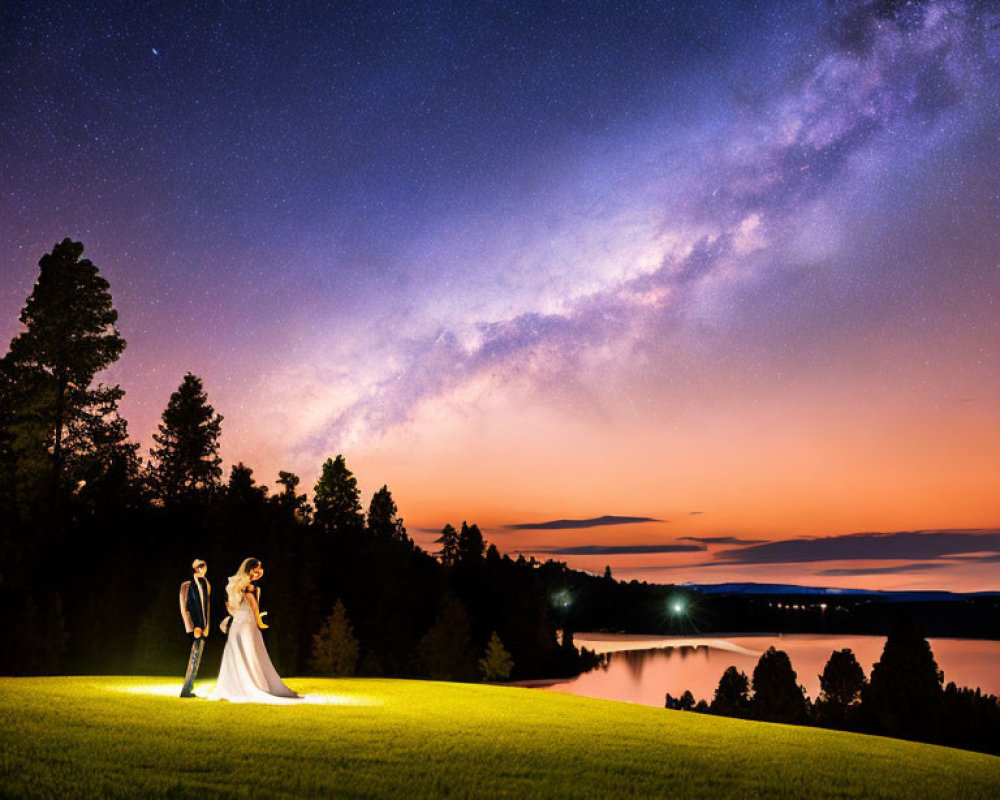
x=792 y=589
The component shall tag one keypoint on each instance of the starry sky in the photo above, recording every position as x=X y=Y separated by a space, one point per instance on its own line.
x=703 y=291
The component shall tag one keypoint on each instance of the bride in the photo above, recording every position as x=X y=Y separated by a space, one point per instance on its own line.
x=246 y=675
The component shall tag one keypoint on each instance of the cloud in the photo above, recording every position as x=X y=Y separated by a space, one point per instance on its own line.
x=984 y=558
x=622 y=550
x=722 y=540
x=881 y=570
x=920 y=545
x=566 y=524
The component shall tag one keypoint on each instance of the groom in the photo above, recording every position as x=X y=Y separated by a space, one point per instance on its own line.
x=195 y=610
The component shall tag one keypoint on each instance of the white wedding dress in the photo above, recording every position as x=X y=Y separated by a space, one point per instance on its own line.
x=246 y=674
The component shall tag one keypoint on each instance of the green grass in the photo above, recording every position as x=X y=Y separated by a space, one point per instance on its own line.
x=116 y=737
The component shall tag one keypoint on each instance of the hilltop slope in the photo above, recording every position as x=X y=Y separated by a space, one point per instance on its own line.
x=129 y=737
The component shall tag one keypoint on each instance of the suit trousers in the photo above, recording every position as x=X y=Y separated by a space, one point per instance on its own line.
x=192 y=670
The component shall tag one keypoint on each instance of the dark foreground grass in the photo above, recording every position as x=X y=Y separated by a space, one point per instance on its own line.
x=128 y=737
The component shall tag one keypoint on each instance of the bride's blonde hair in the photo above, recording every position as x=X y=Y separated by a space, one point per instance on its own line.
x=238 y=582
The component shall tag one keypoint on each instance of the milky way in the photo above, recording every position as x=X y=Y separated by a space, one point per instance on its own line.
x=527 y=262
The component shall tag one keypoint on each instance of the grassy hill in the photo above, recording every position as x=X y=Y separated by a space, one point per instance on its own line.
x=130 y=737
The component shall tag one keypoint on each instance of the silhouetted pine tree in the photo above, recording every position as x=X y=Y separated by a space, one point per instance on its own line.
x=903 y=696
x=448 y=554
x=471 y=545
x=242 y=488
x=776 y=694
x=383 y=520
x=186 y=463
x=289 y=499
x=337 y=500
x=69 y=337
x=732 y=695
x=840 y=685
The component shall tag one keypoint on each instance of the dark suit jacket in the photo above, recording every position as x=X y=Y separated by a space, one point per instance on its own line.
x=196 y=604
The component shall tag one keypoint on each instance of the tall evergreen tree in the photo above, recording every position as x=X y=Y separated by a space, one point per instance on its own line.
x=288 y=497
x=903 y=696
x=242 y=488
x=294 y=505
x=186 y=462
x=471 y=545
x=840 y=685
x=383 y=520
x=69 y=337
x=449 y=545
x=776 y=694
x=732 y=695
x=337 y=499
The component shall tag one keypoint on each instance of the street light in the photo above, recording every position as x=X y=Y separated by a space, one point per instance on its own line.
x=678 y=608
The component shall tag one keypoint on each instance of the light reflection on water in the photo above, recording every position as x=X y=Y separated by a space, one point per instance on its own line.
x=696 y=663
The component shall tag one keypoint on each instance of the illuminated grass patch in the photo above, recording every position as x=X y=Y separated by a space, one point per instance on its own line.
x=130 y=737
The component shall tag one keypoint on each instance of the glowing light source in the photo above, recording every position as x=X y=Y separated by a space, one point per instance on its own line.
x=318 y=698
x=162 y=689
x=677 y=605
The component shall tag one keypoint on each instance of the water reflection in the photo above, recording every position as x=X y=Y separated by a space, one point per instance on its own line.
x=635 y=660
x=635 y=673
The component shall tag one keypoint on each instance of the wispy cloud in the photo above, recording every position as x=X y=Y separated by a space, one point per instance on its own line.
x=568 y=524
x=920 y=545
x=621 y=549
x=898 y=569
x=722 y=540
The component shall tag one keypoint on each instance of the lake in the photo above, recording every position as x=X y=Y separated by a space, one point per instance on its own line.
x=642 y=669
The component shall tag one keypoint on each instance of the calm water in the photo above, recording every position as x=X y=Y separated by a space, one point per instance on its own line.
x=642 y=675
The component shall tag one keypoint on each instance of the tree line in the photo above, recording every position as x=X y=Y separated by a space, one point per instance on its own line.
x=94 y=539
x=905 y=697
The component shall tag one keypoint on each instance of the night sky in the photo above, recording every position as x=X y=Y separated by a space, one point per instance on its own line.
x=732 y=269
